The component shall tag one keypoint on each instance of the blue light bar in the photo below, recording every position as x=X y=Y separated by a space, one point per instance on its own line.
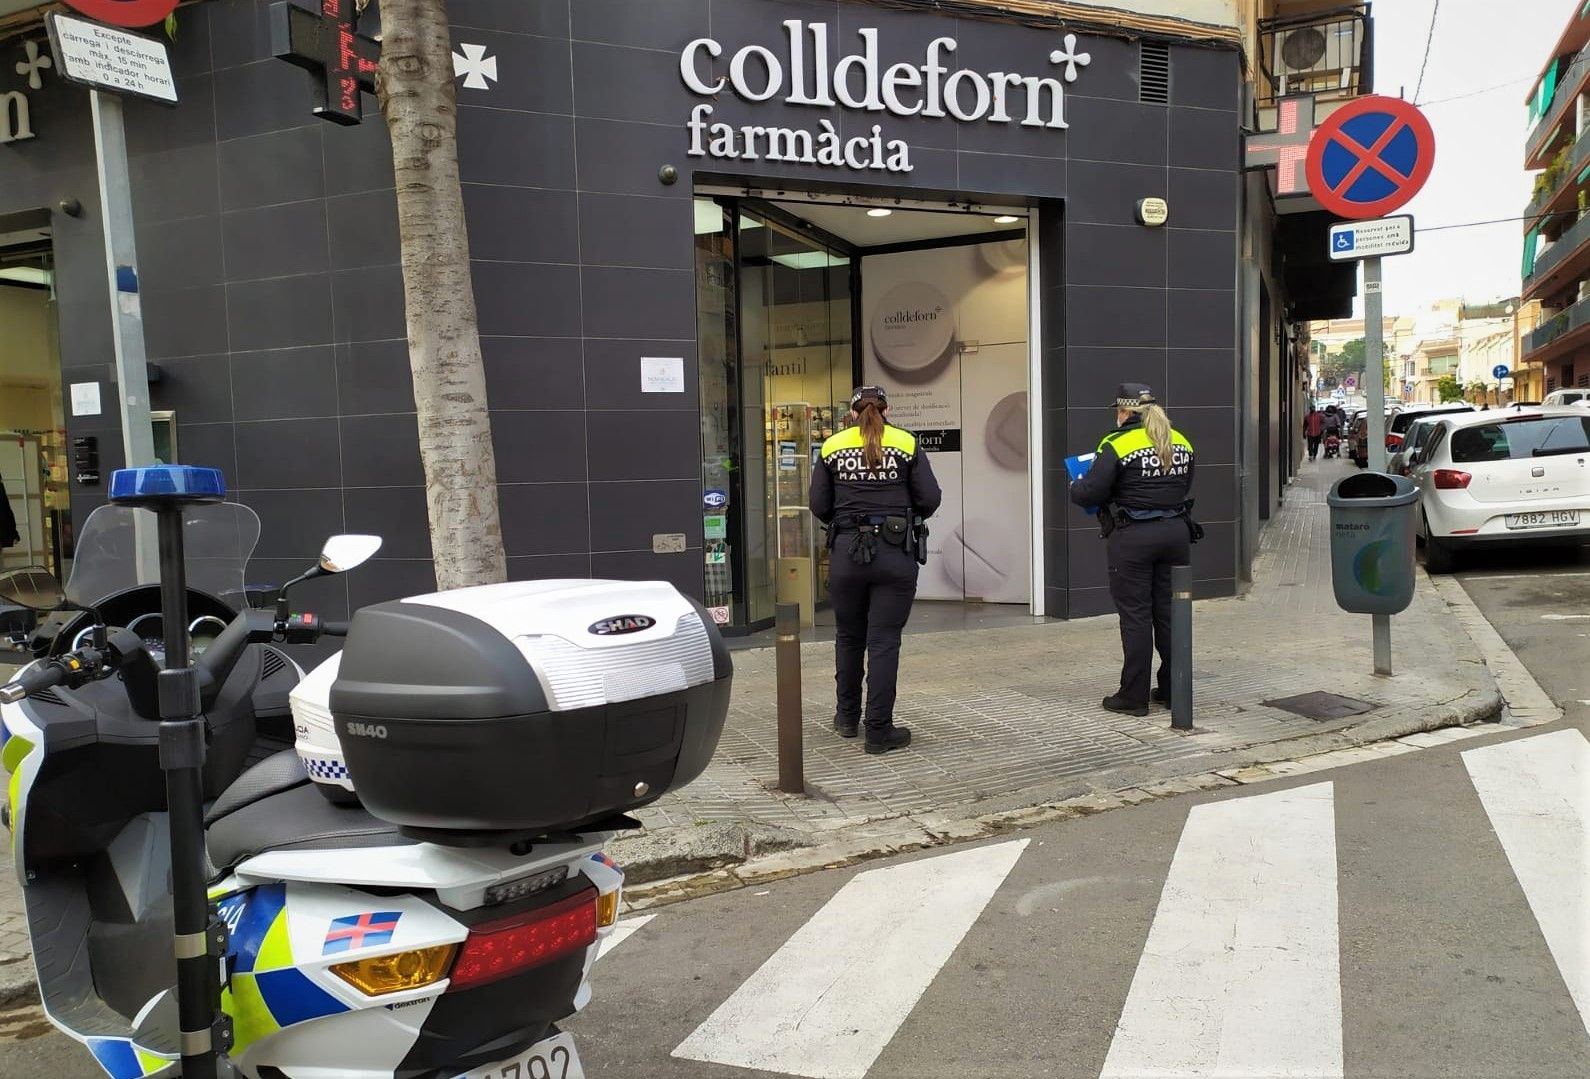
x=156 y=483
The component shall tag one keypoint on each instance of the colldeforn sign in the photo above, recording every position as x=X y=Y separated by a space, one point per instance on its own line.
x=801 y=73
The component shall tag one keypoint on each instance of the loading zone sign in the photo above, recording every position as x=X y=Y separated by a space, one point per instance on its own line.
x=1353 y=240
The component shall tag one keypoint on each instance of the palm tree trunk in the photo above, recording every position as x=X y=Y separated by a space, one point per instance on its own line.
x=418 y=100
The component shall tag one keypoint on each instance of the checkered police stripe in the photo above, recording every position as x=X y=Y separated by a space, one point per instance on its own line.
x=325 y=768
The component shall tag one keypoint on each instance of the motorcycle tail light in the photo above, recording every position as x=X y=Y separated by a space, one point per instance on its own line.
x=1450 y=479
x=394 y=973
x=495 y=950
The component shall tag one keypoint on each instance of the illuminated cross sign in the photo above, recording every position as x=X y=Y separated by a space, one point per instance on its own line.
x=324 y=39
x=1286 y=148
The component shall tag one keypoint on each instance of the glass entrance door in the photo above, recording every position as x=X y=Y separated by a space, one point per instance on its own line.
x=796 y=337
x=774 y=322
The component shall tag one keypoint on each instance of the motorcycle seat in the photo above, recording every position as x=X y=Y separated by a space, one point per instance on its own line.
x=275 y=806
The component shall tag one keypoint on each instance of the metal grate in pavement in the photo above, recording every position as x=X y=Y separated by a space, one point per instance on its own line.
x=1321 y=705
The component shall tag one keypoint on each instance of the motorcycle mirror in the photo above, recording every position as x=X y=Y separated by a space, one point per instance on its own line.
x=32 y=587
x=343 y=553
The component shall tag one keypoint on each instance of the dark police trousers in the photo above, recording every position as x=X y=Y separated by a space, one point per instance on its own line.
x=871 y=605
x=1141 y=554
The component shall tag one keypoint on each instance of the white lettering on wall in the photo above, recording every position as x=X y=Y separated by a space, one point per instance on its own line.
x=803 y=76
x=16 y=122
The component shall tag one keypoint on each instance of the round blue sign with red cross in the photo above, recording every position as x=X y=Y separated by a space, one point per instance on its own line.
x=1370 y=157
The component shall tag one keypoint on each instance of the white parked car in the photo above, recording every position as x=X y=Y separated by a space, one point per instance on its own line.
x=1569 y=397
x=1503 y=477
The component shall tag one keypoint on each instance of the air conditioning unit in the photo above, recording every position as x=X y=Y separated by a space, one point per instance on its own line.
x=1306 y=57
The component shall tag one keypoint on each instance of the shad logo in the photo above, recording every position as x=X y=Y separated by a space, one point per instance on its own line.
x=624 y=623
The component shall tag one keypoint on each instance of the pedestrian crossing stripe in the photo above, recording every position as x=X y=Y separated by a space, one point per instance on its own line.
x=1240 y=973
x=817 y=1006
x=1536 y=792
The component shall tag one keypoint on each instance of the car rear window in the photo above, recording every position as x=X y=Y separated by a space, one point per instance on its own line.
x=1403 y=420
x=1539 y=436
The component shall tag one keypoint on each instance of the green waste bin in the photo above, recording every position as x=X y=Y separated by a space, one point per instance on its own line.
x=1372 y=542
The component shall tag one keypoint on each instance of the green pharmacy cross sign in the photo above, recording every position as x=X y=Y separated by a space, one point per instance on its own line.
x=324 y=39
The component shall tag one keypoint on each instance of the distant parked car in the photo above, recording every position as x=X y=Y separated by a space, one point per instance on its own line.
x=1417 y=435
x=1501 y=478
x=1578 y=397
x=1397 y=427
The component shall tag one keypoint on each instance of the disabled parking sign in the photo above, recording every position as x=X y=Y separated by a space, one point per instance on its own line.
x=1370 y=157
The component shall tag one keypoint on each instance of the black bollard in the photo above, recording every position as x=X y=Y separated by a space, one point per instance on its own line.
x=787 y=656
x=1181 y=652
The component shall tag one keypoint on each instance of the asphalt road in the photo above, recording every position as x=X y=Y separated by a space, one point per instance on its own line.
x=1404 y=917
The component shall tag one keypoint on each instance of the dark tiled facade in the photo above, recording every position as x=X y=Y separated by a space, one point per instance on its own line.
x=273 y=298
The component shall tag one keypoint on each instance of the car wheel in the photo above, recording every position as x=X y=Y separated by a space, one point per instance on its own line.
x=1438 y=557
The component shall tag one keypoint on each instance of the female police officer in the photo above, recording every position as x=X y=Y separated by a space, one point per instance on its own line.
x=871 y=487
x=1140 y=480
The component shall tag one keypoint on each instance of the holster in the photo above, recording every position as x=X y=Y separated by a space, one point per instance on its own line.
x=919 y=538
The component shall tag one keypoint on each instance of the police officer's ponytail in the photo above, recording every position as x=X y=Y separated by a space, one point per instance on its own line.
x=869 y=414
x=1156 y=425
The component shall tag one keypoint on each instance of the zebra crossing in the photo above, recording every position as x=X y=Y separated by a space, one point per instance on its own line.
x=1234 y=959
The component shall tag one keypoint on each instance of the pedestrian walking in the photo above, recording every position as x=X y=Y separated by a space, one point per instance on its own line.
x=1314 y=429
x=873 y=487
x=1141 y=482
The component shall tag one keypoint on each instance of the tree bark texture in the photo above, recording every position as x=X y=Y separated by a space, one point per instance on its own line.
x=418 y=100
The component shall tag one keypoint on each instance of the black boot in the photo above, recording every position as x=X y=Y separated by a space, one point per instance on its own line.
x=893 y=738
x=1161 y=696
x=1117 y=703
x=846 y=728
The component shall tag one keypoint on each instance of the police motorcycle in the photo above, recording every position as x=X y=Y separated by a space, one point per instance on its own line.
x=391 y=868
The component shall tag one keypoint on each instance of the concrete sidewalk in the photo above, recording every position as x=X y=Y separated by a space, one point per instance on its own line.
x=1006 y=718
x=1009 y=717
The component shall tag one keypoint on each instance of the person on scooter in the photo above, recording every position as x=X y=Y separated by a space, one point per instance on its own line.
x=872 y=487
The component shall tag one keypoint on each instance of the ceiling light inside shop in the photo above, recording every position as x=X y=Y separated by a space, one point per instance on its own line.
x=1006 y=219
x=810 y=260
x=709 y=217
x=26 y=275
x=879 y=211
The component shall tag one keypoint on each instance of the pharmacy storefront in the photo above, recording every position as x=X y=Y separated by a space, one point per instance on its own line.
x=697 y=224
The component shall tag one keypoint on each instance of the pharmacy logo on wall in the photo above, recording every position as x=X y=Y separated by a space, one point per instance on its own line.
x=16 y=113
x=802 y=73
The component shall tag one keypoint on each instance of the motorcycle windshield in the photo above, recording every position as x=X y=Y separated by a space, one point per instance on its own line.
x=118 y=547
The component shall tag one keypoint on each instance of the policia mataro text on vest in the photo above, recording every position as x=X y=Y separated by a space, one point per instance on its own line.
x=873 y=488
x=1140 y=482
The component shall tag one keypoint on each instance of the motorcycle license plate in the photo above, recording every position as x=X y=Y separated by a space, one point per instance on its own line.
x=1543 y=519
x=553 y=1058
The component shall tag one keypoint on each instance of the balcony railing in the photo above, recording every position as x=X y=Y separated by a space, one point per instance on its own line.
x=1572 y=165
x=1326 y=52
x=1563 y=322
x=1567 y=91
x=1566 y=244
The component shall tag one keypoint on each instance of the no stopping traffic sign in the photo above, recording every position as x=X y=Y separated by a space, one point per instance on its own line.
x=1370 y=157
x=129 y=13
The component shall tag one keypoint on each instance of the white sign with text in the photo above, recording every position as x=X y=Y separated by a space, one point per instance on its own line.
x=107 y=58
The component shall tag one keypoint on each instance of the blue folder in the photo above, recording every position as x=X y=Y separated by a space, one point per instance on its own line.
x=1076 y=468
